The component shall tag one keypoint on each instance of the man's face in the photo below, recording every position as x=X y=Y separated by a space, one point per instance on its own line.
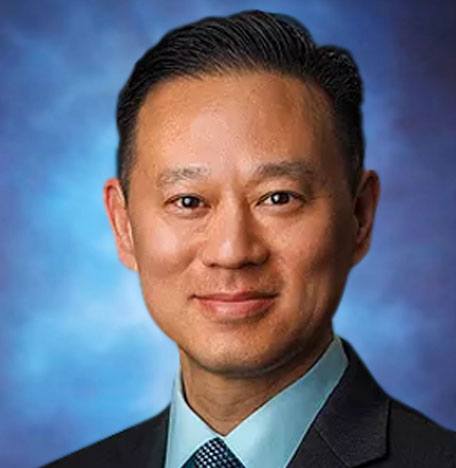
x=239 y=186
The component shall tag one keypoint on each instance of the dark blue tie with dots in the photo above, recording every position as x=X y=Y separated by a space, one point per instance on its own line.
x=215 y=454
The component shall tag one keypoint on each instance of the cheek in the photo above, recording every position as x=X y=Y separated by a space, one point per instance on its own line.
x=317 y=250
x=161 y=251
x=163 y=256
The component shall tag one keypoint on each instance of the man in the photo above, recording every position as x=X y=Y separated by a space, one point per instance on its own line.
x=243 y=203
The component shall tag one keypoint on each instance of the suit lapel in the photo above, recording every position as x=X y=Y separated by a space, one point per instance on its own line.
x=315 y=452
x=146 y=444
x=157 y=448
x=351 y=428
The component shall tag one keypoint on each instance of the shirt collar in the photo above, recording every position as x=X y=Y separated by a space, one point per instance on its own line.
x=269 y=437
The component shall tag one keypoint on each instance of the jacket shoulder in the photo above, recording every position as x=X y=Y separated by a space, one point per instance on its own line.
x=136 y=444
x=416 y=440
x=364 y=426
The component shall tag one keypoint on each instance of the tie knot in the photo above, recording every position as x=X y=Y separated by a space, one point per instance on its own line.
x=215 y=454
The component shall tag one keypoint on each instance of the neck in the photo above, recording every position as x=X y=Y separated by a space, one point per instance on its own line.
x=223 y=402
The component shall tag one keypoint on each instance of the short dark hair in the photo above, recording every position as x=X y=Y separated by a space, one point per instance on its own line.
x=246 y=41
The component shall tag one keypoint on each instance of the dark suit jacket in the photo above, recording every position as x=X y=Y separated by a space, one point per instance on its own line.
x=360 y=425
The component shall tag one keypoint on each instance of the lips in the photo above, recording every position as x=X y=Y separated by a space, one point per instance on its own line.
x=235 y=306
x=236 y=296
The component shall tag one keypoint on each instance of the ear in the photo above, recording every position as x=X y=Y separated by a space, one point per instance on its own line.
x=116 y=208
x=364 y=208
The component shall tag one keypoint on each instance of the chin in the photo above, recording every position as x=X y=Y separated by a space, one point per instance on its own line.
x=241 y=368
x=241 y=362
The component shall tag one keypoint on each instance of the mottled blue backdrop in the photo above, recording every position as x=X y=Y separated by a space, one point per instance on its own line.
x=80 y=357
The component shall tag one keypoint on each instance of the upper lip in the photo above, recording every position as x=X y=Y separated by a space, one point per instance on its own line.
x=236 y=296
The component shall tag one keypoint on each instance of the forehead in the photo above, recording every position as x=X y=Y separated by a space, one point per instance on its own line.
x=218 y=120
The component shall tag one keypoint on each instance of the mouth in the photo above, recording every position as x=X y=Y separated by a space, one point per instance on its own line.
x=229 y=307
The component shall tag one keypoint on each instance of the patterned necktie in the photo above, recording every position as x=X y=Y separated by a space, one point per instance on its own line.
x=215 y=454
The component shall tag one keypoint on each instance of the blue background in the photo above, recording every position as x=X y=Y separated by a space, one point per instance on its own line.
x=80 y=357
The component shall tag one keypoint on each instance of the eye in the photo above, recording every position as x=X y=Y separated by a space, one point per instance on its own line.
x=191 y=202
x=280 y=198
x=186 y=202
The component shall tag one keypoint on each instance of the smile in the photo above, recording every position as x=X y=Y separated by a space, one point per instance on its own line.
x=234 y=310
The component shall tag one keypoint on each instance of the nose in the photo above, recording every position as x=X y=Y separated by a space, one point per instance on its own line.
x=234 y=240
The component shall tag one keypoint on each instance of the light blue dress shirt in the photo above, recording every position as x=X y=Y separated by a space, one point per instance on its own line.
x=270 y=436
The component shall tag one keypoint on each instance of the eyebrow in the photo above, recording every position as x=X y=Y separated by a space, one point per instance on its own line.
x=297 y=170
x=180 y=174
